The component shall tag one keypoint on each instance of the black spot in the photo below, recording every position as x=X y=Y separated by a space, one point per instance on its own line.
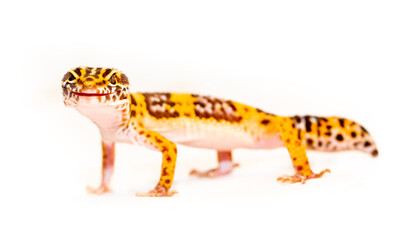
x=297 y=119
x=231 y=105
x=176 y=114
x=328 y=134
x=133 y=113
x=319 y=143
x=318 y=120
x=265 y=121
x=158 y=140
x=199 y=104
x=104 y=75
x=367 y=144
x=170 y=103
x=77 y=71
x=329 y=127
x=353 y=134
x=133 y=100
x=309 y=142
x=299 y=134
x=340 y=137
x=323 y=119
x=308 y=124
x=341 y=122
x=375 y=153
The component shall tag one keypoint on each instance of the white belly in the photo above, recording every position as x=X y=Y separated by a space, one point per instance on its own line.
x=218 y=136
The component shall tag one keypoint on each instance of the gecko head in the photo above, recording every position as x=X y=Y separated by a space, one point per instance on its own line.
x=87 y=86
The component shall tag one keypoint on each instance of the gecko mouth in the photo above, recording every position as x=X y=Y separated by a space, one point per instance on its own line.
x=90 y=94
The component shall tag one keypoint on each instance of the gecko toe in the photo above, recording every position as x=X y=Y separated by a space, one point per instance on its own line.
x=158 y=191
x=99 y=191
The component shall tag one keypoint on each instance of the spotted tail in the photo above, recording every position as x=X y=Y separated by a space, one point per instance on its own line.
x=333 y=134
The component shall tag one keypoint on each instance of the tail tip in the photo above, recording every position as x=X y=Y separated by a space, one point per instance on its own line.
x=375 y=153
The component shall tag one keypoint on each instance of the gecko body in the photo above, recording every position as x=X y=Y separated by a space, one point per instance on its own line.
x=159 y=121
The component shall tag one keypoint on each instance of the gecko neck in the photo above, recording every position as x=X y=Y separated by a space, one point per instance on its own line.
x=110 y=119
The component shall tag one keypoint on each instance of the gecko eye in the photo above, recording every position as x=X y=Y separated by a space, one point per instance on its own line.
x=71 y=78
x=112 y=80
x=68 y=77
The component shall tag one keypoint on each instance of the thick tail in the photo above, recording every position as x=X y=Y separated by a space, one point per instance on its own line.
x=333 y=134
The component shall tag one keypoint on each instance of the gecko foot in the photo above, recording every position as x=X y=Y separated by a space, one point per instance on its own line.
x=100 y=190
x=158 y=191
x=298 y=177
x=221 y=170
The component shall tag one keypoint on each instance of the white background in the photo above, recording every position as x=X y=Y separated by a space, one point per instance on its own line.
x=356 y=59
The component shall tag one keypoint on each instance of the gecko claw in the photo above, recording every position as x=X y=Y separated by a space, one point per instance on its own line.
x=100 y=190
x=158 y=191
x=298 y=177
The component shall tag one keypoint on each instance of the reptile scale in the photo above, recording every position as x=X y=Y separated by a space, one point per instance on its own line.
x=161 y=120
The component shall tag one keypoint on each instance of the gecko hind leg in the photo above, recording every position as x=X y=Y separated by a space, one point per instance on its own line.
x=297 y=152
x=225 y=166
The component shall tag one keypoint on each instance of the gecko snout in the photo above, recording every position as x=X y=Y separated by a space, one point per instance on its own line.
x=88 y=86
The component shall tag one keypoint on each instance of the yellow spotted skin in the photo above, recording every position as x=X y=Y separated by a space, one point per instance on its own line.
x=169 y=152
x=159 y=121
x=297 y=133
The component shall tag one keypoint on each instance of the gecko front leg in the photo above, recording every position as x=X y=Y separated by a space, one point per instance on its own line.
x=225 y=166
x=108 y=153
x=168 y=149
